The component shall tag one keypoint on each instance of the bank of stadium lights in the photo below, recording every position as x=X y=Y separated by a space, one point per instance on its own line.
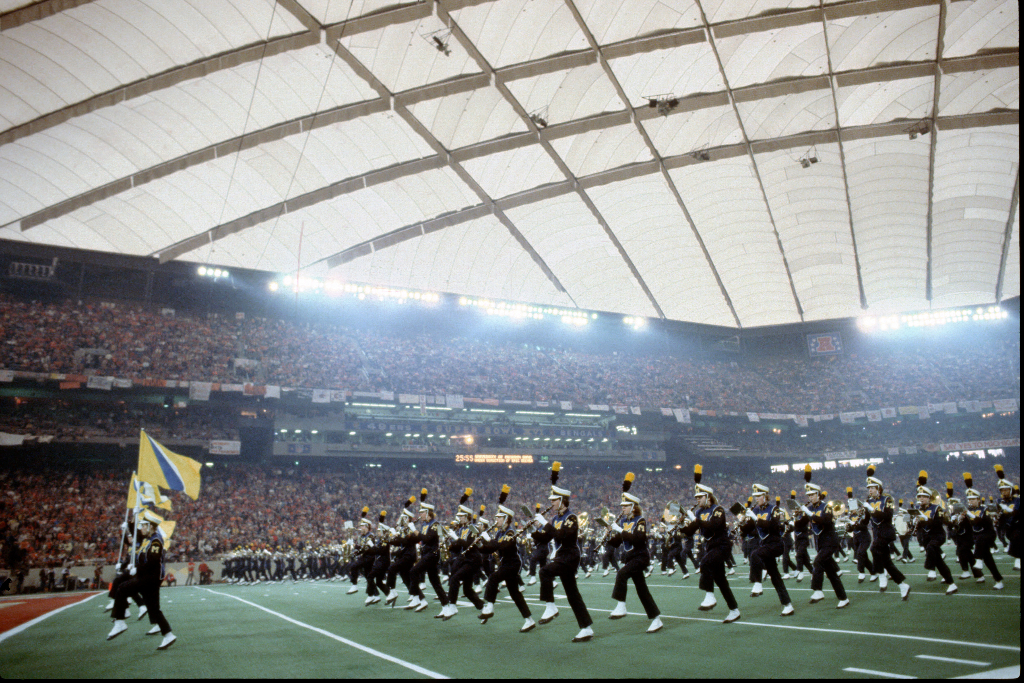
x=518 y=311
x=212 y=273
x=302 y=285
x=931 y=318
x=636 y=322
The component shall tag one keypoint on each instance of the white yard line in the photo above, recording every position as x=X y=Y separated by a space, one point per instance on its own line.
x=1012 y=672
x=870 y=672
x=18 y=629
x=346 y=641
x=969 y=662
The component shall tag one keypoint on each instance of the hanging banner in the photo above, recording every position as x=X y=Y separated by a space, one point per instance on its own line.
x=105 y=383
x=753 y=417
x=566 y=405
x=454 y=401
x=225 y=448
x=272 y=391
x=122 y=383
x=199 y=391
x=874 y=415
x=6 y=375
x=321 y=396
x=825 y=344
x=1005 y=404
x=888 y=413
x=682 y=415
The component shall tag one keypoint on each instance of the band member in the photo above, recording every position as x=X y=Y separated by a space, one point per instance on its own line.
x=984 y=532
x=466 y=560
x=404 y=555
x=381 y=552
x=933 y=519
x=802 y=534
x=426 y=536
x=768 y=523
x=823 y=527
x=710 y=521
x=364 y=558
x=859 y=525
x=631 y=532
x=539 y=556
x=563 y=529
x=145 y=579
x=510 y=563
x=881 y=508
x=1009 y=516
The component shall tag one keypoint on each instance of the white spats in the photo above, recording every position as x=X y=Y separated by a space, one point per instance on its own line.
x=883 y=582
x=655 y=626
x=952 y=589
x=154 y=631
x=998 y=586
x=352 y=590
x=119 y=628
x=817 y=596
x=842 y=604
x=931 y=575
x=584 y=635
x=488 y=609
x=550 y=612
x=757 y=590
x=142 y=611
x=109 y=606
x=528 y=625
x=619 y=611
x=708 y=603
x=800 y=576
x=788 y=610
x=904 y=591
x=731 y=617
x=167 y=641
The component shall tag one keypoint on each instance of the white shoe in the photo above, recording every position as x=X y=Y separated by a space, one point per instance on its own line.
x=686 y=575
x=800 y=576
x=931 y=575
x=142 y=611
x=528 y=625
x=422 y=606
x=167 y=641
x=709 y=602
x=605 y=572
x=533 y=580
x=655 y=626
x=785 y=576
x=965 y=575
x=979 y=564
x=110 y=606
x=413 y=604
x=788 y=610
x=119 y=628
x=664 y=572
x=423 y=585
x=587 y=575
x=488 y=609
x=756 y=591
x=391 y=598
x=731 y=572
x=981 y=579
x=584 y=635
x=554 y=584
x=842 y=604
x=733 y=616
x=619 y=611
x=998 y=586
x=550 y=612
x=873 y=578
x=817 y=596
x=860 y=578
x=1016 y=564
x=155 y=631
x=671 y=571
x=352 y=590
x=443 y=614
x=883 y=582
x=904 y=590
x=952 y=589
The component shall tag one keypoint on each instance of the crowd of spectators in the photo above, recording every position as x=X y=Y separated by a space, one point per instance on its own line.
x=53 y=516
x=68 y=420
x=130 y=342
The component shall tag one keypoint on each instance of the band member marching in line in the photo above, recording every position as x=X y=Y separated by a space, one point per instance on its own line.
x=802 y=534
x=466 y=560
x=404 y=557
x=564 y=530
x=933 y=520
x=364 y=558
x=710 y=521
x=823 y=527
x=631 y=532
x=962 y=533
x=426 y=536
x=984 y=532
x=769 y=523
x=505 y=543
x=859 y=525
x=881 y=509
x=381 y=551
x=1009 y=516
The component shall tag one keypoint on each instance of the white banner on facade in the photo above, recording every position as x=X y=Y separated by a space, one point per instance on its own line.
x=682 y=415
x=753 y=417
x=225 y=448
x=454 y=401
x=273 y=391
x=6 y=375
x=566 y=405
x=199 y=391
x=321 y=396
x=105 y=383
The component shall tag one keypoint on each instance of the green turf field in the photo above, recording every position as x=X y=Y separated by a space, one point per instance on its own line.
x=316 y=630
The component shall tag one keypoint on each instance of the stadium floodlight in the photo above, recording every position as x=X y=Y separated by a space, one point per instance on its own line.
x=202 y=271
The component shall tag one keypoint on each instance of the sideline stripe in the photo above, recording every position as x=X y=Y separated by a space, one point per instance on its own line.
x=954 y=661
x=346 y=641
x=1007 y=672
x=18 y=629
x=883 y=674
x=899 y=636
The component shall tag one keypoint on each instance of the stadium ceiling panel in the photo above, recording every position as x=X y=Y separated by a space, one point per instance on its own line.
x=650 y=157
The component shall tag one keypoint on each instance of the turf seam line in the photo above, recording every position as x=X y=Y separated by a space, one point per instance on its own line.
x=18 y=629
x=340 y=639
x=968 y=662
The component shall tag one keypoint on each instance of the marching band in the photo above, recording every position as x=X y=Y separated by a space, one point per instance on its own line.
x=557 y=544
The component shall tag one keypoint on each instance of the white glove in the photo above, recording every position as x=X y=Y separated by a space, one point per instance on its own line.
x=1005 y=508
x=616 y=528
x=853 y=505
x=451 y=535
x=124 y=527
x=690 y=516
x=131 y=571
x=540 y=520
x=117 y=567
x=411 y=527
x=751 y=515
x=806 y=510
x=486 y=536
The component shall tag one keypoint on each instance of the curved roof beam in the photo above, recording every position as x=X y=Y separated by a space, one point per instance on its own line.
x=799 y=141
x=474 y=81
x=37 y=11
x=1008 y=236
x=932 y=143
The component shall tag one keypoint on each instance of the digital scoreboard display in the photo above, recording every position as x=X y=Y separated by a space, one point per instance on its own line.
x=494 y=459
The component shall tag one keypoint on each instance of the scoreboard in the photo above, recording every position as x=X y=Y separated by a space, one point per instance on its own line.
x=495 y=459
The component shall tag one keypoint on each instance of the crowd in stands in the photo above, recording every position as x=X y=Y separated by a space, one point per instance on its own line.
x=131 y=342
x=67 y=420
x=52 y=516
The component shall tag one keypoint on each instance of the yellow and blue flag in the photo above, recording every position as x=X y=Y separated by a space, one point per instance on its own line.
x=143 y=494
x=162 y=467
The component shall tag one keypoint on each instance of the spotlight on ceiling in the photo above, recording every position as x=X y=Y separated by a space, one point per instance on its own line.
x=922 y=128
x=663 y=103
x=701 y=155
x=808 y=160
x=539 y=120
x=441 y=46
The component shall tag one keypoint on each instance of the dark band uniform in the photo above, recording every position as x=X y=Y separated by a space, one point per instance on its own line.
x=711 y=524
x=509 y=565
x=633 y=540
x=824 y=529
x=146 y=582
x=769 y=526
x=563 y=529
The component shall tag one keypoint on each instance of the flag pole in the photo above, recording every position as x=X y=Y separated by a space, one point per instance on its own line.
x=124 y=530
